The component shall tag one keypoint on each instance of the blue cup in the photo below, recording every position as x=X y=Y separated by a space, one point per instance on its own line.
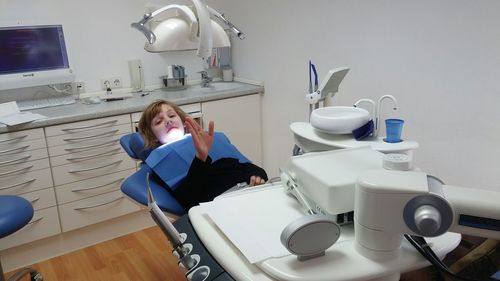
x=393 y=129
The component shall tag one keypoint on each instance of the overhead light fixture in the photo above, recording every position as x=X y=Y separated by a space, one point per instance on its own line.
x=185 y=31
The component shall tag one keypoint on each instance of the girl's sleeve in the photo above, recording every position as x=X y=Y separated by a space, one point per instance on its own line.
x=254 y=170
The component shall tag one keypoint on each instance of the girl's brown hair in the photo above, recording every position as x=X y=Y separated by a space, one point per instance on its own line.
x=147 y=117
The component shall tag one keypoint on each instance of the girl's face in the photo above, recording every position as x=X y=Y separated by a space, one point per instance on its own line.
x=167 y=125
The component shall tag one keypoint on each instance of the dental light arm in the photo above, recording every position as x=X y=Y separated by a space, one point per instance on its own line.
x=389 y=204
x=219 y=16
x=202 y=33
x=205 y=30
x=183 y=11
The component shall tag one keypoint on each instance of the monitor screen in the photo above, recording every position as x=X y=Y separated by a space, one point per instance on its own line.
x=33 y=51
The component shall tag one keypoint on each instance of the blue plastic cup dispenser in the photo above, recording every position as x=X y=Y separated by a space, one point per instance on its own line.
x=393 y=128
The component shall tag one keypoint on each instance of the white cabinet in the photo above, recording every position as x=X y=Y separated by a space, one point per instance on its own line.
x=25 y=171
x=240 y=119
x=95 y=209
x=88 y=166
x=72 y=173
x=44 y=223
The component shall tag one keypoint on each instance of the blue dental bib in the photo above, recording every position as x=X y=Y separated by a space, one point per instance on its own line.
x=171 y=161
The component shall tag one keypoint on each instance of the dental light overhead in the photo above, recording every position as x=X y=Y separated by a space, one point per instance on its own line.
x=185 y=31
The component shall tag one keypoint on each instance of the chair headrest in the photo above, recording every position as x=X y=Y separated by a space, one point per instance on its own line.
x=133 y=144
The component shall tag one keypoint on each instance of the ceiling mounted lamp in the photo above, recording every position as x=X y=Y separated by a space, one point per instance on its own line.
x=185 y=31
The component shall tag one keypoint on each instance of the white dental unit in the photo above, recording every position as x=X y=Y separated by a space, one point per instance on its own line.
x=335 y=215
x=387 y=204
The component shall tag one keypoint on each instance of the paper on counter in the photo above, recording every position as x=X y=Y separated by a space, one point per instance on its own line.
x=253 y=220
x=10 y=114
x=8 y=108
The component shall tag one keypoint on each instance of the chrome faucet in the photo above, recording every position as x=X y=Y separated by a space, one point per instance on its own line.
x=379 y=109
x=374 y=106
x=205 y=80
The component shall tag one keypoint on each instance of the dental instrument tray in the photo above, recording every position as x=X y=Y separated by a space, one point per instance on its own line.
x=328 y=179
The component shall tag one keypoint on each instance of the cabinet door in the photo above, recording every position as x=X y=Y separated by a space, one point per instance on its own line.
x=240 y=119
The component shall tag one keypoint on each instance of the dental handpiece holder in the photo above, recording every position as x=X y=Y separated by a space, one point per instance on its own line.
x=389 y=204
x=179 y=249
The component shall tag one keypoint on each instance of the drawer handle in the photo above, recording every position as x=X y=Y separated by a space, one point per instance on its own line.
x=35 y=221
x=98 y=186
x=34 y=200
x=90 y=126
x=14 y=149
x=92 y=136
x=92 y=146
x=13 y=139
x=15 y=171
x=98 y=205
x=15 y=160
x=17 y=184
x=96 y=168
x=93 y=155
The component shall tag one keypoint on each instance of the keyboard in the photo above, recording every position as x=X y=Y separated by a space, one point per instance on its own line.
x=45 y=102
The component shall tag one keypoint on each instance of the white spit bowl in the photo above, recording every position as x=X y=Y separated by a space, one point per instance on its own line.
x=339 y=119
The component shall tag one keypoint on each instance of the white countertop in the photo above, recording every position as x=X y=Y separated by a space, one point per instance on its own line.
x=80 y=111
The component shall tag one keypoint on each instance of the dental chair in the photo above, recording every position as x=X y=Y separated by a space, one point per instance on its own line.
x=15 y=213
x=134 y=185
x=144 y=188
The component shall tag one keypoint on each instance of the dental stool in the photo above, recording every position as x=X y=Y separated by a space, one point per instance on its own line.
x=135 y=185
x=15 y=213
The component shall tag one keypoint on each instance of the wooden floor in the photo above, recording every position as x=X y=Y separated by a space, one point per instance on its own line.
x=140 y=256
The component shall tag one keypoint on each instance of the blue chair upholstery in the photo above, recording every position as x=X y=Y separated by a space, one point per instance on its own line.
x=133 y=144
x=135 y=185
x=15 y=213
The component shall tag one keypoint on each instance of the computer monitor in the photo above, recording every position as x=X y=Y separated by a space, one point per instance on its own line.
x=33 y=56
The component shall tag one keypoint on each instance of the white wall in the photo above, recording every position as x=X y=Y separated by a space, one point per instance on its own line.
x=441 y=59
x=99 y=37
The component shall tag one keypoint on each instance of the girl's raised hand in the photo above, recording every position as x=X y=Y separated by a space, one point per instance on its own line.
x=202 y=140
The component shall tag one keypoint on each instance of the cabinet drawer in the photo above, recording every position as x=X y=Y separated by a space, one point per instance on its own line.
x=44 y=223
x=87 y=126
x=41 y=199
x=87 y=188
x=95 y=209
x=95 y=167
x=26 y=182
x=82 y=137
x=85 y=155
x=21 y=168
x=21 y=136
x=23 y=157
x=85 y=146
x=16 y=147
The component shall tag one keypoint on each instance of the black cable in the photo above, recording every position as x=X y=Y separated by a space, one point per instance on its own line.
x=425 y=250
x=421 y=241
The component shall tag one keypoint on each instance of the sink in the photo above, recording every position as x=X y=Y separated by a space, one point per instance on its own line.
x=339 y=119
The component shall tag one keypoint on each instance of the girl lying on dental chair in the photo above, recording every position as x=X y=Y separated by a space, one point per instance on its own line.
x=196 y=167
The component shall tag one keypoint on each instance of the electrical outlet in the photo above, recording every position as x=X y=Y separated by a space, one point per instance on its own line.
x=105 y=84
x=78 y=87
x=112 y=83
x=116 y=82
